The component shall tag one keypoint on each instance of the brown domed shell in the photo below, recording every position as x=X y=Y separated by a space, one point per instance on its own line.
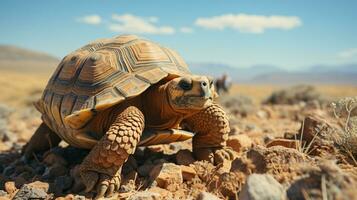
x=102 y=74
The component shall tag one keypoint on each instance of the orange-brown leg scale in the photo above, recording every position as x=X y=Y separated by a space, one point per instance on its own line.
x=43 y=139
x=211 y=126
x=102 y=167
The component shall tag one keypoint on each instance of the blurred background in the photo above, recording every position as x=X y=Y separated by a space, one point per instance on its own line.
x=261 y=45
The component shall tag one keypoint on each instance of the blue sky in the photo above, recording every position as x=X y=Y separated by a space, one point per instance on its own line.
x=286 y=33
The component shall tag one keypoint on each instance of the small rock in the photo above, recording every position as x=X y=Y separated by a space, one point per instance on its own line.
x=207 y=196
x=251 y=127
x=261 y=186
x=79 y=197
x=68 y=197
x=315 y=126
x=265 y=158
x=262 y=114
x=175 y=146
x=166 y=173
x=290 y=135
x=184 y=157
x=295 y=144
x=40 y=185
x=145 y=195
x=165 y=194
x=235 y=130
x=338 y=183
x=30 y=192
x=2 y=193
x=267 y=139
x=242 y=164
x=71 y=197
x=239 y=142
x=224 y=166
x=10 y=187
x=229 y=184
x=188 y=173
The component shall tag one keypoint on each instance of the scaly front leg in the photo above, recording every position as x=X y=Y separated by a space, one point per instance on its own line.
x=102 y=167
x=211 y=126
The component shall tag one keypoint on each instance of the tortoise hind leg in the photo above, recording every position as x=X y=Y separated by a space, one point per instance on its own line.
x=43 y=139
x=101 y=169
x=211 y=126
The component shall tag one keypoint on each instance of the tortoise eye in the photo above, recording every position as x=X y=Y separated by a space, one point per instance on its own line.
x=185 y=84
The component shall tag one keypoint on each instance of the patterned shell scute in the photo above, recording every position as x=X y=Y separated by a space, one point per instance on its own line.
x=102 y=74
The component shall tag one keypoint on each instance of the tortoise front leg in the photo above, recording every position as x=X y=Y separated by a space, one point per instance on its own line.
x=43 y=139
x=102 y=167
x=211 y=126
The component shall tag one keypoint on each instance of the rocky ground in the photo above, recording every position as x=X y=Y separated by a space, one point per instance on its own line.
x=294 y=145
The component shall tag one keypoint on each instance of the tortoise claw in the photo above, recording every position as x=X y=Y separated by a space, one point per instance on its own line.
x=105 y=185
x=223 y=154
x=215 y=155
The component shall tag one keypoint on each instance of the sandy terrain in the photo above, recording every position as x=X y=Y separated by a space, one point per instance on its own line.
x=275 y=158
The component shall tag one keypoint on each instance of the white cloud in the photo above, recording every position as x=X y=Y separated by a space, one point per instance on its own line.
x=153 y=19
x=249 y=23
x=186 y=30
x=349 y=53
x=90 y=19
x=128 y=23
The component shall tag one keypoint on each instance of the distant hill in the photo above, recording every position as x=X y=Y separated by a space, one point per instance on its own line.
x=17 y=59
x=290 y=78
x=267 y=74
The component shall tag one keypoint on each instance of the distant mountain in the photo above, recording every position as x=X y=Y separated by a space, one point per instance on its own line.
x=347 y=68
x=17 y=59
x=319 y=74
x=290 y=78
x=267 y=74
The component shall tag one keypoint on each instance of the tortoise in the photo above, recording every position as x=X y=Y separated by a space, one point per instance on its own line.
x=113 y=95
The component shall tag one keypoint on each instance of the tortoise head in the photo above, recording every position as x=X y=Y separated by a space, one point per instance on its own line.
x=190 y=93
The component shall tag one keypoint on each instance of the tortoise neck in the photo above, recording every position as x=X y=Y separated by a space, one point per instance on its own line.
x=160 y=114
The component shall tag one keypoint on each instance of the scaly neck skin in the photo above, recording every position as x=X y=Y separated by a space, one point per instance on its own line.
x=159 y=114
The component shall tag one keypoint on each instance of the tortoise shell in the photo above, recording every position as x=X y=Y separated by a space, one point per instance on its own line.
x=103 y=74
